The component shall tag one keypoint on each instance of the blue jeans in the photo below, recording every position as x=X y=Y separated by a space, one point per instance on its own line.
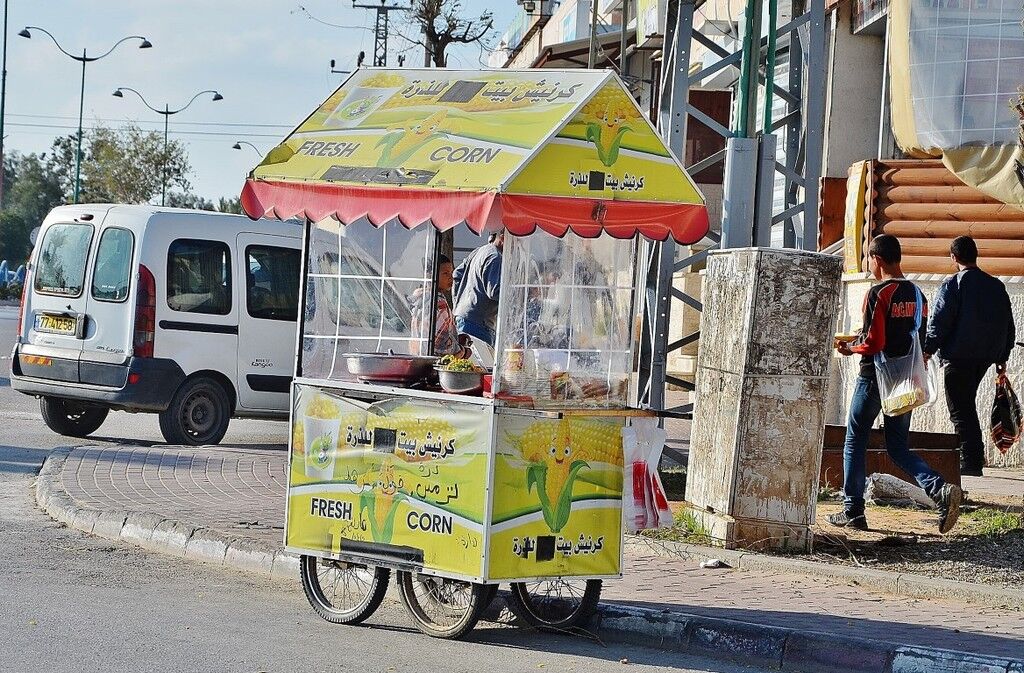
x=864 y=409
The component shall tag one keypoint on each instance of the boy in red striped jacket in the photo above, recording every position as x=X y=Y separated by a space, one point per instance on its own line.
x=890 y=317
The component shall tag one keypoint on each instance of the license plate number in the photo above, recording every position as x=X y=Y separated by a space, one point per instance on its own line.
x=56 y=324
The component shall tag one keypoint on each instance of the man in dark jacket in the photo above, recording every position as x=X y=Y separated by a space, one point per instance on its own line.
x=971 y=329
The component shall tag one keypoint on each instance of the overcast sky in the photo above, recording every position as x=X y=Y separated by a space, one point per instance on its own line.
x=267 y=58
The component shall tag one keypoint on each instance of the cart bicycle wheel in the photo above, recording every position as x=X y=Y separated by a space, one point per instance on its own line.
x=441 y=607
x=556 y=604
x=342 y=593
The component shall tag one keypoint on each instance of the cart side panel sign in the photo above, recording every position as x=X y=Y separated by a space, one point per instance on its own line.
x=400 y=478
x=438 y=129
x=557 y=498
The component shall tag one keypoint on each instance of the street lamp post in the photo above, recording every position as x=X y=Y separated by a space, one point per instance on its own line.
x=83 y=59
x=166 y=112
x=238 y=146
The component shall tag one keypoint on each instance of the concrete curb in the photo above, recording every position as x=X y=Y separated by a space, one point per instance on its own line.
x=735 y=641
x=900 y=584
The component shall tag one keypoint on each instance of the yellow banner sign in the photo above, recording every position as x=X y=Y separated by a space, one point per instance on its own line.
x=557 y=504
x=402 y=476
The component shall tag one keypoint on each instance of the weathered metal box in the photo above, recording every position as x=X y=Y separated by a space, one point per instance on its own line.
x=762 y=378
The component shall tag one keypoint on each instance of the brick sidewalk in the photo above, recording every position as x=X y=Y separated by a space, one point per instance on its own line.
x=241 y=492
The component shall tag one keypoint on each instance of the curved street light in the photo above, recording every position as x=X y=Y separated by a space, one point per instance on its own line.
x=238 y=146
x=166 y=112
x=83 y=59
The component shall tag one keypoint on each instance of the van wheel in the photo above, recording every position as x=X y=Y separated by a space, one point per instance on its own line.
x=198 y=414
x=66 y=417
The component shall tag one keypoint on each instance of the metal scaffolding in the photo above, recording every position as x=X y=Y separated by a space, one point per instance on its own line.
x=762 y=191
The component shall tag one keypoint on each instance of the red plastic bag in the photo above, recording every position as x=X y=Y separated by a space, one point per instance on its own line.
x=1006 y=415
x=644 y=498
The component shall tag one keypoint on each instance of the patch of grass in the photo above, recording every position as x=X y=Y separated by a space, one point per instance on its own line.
x=685 y=528
x=991 y=522
x=828 y=494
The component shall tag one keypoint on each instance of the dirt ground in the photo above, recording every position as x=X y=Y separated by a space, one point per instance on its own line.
x=986 y=546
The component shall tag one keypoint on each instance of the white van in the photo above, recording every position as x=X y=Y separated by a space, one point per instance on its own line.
x=186 y=313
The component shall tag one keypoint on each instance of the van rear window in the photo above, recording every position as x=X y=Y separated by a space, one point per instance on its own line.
x=113 y=269
x=62 y=259
x=199 y=276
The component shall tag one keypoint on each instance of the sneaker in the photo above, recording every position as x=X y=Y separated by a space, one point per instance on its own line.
x=843 y=520
x=949 y=506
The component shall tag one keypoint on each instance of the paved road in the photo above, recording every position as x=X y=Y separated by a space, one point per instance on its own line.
x=70 y=602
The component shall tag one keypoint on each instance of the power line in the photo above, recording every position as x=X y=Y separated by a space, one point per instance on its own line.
x=146 y=121
x=231 y=134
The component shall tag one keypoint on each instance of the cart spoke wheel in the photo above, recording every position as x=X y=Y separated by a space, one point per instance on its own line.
x=342 y=593
x=556 y=604
x=440 y=607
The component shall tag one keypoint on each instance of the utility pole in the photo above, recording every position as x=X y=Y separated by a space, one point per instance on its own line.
x=595 y=46
x=3 y=99
x=380 y=29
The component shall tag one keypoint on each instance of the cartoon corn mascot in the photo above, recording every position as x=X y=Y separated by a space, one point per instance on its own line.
x=379 y=498
x=607 y=132
x=401 y=142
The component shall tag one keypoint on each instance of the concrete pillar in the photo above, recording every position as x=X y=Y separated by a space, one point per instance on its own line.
x=762 y=380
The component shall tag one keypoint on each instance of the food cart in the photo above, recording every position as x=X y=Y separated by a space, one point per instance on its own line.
x=518 y=484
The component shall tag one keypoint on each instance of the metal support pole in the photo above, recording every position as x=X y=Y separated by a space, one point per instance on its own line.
x=623 y=59
x=746 y=100
x=814 y=144
x=739 y=192
x=592 y=58
x=769 y=66
x=3 y=100
x=81 y=113
x=163 y=190
x=794 y=131
x=765 y=195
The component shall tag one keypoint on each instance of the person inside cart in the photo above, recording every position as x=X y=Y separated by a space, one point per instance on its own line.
x=889 y=318
x=447 y=340
x=477 y=284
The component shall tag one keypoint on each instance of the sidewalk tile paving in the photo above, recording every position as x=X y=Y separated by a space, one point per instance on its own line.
x=241 y=492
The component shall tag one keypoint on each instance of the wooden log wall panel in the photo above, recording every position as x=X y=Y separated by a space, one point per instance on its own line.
x=935 y=194
x=997 y=266
x=906 y=229
x=917 y=177
x=939 y=247
x=963 y=212
x=926 y=206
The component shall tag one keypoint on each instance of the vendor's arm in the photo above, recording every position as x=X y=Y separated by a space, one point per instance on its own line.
x=492 y=277
x=872 y=335
x=943 y=317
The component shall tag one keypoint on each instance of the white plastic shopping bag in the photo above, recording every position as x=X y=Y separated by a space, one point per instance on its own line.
x=906 y=382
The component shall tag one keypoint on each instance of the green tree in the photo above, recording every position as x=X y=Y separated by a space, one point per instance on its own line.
x=230 y=205
x=32 y=189
x=124 y=165
x=180 y=200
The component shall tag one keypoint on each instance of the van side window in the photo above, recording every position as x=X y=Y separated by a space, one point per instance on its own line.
x=199 y=276
x=272 y=282
x=112 y=272
x=62 y=259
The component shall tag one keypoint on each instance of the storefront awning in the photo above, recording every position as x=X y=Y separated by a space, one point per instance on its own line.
x=555 y=150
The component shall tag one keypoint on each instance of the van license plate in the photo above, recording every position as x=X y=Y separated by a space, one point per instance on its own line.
x=56 y=324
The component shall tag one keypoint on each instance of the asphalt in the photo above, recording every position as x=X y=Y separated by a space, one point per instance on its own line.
x=229 y=501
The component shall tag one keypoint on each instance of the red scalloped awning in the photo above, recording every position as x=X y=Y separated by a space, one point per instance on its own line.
x=685 y=222
x=520 y=214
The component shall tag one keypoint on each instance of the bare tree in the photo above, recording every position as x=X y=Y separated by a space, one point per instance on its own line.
x=441 y=24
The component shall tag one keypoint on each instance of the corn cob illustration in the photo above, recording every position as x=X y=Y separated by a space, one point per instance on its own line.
x=558 y=452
